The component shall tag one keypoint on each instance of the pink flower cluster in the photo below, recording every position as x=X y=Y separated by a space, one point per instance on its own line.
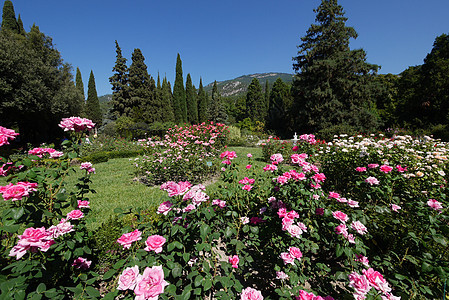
x=370 y=278
x=6 y=135
x=276 y=159
x=290 y=256
x=42 y=151
x=288 y=219
x=76 y=124
x=234 y=261
x=309 y=138
x=148 y=285
x=219 y=203
x=32 y=239
x=88 y=167
x=247 y=183
x=251 y=294
x=227 y=156
x=176 y=189
x=17 y=191
x=153 y=242
x=435 y=205
x=292 y=174
x=303 y=295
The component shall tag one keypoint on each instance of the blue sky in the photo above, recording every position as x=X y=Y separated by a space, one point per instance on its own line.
x=220 y=40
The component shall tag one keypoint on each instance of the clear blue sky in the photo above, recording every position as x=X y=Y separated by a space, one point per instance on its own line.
x=220 y=40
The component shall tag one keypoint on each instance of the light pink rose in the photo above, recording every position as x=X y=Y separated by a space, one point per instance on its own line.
x=287 y=258
x=360 y=283
x=295 y=231
x=359 y=227
x=83 y=204
x=128 y=278
x=395 y=207
x=128 y=238
x=76 y=124
x=281 y=275
x=234 y=261
x=372 y=180
x=251 y=294
x=435 y=205
x=62 y=228
x=155 y=243
x=341 y=216
x=341 y=229
x=244 y=220
x=75 y=215
x=188 y=208
x=164 y=207
x=374 y=277
x=150 y=284
x=373 y=166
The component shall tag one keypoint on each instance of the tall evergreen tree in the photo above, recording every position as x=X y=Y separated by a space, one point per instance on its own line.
x=280 y=102
x=120 y=90
x=202 y=103
x=192 y=105
x=20 y=25
x=179 y=94
x=216 y=111
x=79 y=82
x=167 y=102
x=255 y=102
x=267 y=95
x=334 y=84
x=9 y=21
x=93 y=110
x=139 y=85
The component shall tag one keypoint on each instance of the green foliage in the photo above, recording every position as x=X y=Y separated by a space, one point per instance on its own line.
x=179 y=94
x=216 y=110
x=167 y=102
x=9 y=21
x=79 y=82
x=93 y=110
x=191 y=100
x=255 y=102
x=280 y=103
x=119 y=80
x=333 y=84
x=202 y=103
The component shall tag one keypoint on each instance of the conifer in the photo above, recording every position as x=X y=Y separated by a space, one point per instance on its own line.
x=93 y=110
x=9 y=21
x=191 y=101
x=202 y=103
x=179 y=94
x=120 y=90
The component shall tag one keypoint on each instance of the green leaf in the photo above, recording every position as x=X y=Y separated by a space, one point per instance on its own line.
x=426 y=267
x=108 y=274
x=204 y=231
x=198 y=280
x=10 y=228
x=207 y=284
x=186 y=257
x=339 y=250
x=17 y=213
x=94 y=293
x=440 y=239
x=176 y=271
x=41 y=287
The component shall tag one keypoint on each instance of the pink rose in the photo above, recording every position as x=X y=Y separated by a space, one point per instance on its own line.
x=75 y=215
x=303 y=295
x=155 y=243
x=395 y=207
x=372 y=180
x=6 y=134
x=251 y=294
x=360 y=169
x=81 y=263
x=281 y=275
x=287 y=258
x=359 y=283
x=248 y=167
x=128 y=238
x=341 y=229
x=247 y=187
x=334 y=195
x=62 y=228
x=164 y=207
x=234 y=261
x=83 y=204
x=128 y=278
x=363 y=259
x=374 y=277
x=249 y=155
x=385 y=168
x=359 y=227
x=435 y=205
x=295 y=231
x=150 y=284
x=341 y=216
x=295 y=252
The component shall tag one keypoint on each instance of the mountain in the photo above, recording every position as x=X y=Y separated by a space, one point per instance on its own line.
x=239 y=85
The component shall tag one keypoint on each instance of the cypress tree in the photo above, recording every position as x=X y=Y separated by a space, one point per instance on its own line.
x=192 y=105
x=79 y=82
x=167 y=102
x=255 y=101
x=267 y=96
x=20 y=25
x=9 y=21
x=202 y=103
x=217 y=112
x=278 y=107
x=93 y=110
x=334 y=84
x=179 y=94
x=120 y=91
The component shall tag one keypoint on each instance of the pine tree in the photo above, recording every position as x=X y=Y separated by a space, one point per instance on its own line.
x=280 y=103
x=334 y=84
x=79 y=82
x=20 y=25
x=9 y=21
x=255 y=102
x=202 y=103
x=192 y=105
x=216 y=110
x=120 y=91
x=139 y=85
x=167 y=102
x=179 y=94
x=93 y=110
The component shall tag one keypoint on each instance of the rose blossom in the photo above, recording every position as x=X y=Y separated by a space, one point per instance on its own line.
x=81 y=263
x=334 y=195
x=359 y=227
x=385 y=168
x=395 y=207
x=375 y=278
x=62 y=228
x=83 y=204
x=341 y=229
x=435 y=204
x=75 y=215
x=341 y=216
x=359 y=283
x=164 y=207
x=244 y=220
x=360 y=169
x=150 y=284
x=128 y=278
x=372 y=180
x=6 y=134
x=155 y=243
x=76 y=124
x=294 y=230
x=287 y=258
x=128 y=238
x=88 y=167
x=295 y=252
x=234 y=261
x=303 y=295
x=18 y=191
x=251 y=294
x=363 y=259
x=281 y=275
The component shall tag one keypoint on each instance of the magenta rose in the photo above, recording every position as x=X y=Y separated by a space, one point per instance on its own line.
x=341 y=216
x=234 y=261
x=151 y=283
x=128 y=278
x=295 y=252
x=155 y=243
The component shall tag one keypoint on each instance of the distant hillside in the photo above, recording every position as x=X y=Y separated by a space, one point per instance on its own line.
x=105 y=98
x=239 y=85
